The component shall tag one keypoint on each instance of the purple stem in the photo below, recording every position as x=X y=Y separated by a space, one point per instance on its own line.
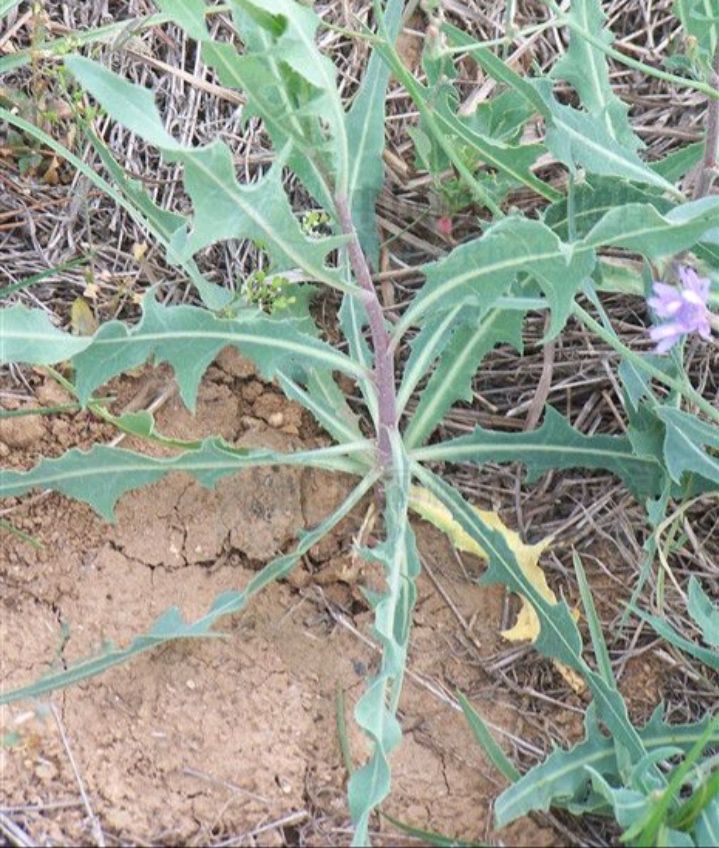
x=709 y=163
x=383 y=355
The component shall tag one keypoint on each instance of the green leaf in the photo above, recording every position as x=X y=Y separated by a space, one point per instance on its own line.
x=132 y=105
x=706 y=829
x=496 y=68
x=171 y=625
x=628 y=805
x=708 y=656
x=704 y=612
x=652 y=827
x=604 y=664
x=146 y=214
x=291 y=28
x=562 y=779
x=559 y=637
x=293 y=108
x=365 y=131
x=643 y=228
x=580 y=139
x=7 y=5
x=514 y=160
x=593 y=199
x=574 y=137
x=466 y=345
x=428 y=837
x=189 y=14
x=426 y=346
x=502 y=118
x=481 y=271
x=700 y=20
x=683 y=445
x=100 y=476
x=585 y=67
x=279 y=111
x=223 y=208
x=483 y=735
x=678 y=163
x=555 y=445
x=161 y=223
x=376 y=710
x=437 y=126
x=186 y=337
x=28 y=335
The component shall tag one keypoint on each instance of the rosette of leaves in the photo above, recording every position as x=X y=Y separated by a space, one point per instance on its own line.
x=473 y=299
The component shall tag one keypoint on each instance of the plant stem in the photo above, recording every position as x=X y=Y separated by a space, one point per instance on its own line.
x=711 y=143
x=383 y=354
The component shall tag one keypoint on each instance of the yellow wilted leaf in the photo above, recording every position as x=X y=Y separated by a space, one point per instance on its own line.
x=526 y=627
x=82 y=318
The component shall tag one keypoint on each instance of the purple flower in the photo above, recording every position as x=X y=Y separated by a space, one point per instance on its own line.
x=684 y=309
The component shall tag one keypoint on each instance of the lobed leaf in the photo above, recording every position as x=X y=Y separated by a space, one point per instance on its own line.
x=559 y=637
x=481 y=271
x=575 y=138
x=186 y=337
x=290 y=85
x=365 y=131
x=643 y=228
x=593 y=199
x=223 y=208
x=161 y=223
x=100 y=476
x=580 y=139
x=376 y=710
x=554 y=445
x=684 y=444
x=526 y=626
x=511 y=159
x=562 y=779
x=584 y=66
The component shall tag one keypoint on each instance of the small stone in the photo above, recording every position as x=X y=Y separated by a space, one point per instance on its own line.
x=249 y=422
x=50 y=394
x=252 y=391
x=276 y=420
x=45 y=771
x=22 y=432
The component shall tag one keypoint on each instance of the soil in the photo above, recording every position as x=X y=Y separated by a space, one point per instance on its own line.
x=232 y=738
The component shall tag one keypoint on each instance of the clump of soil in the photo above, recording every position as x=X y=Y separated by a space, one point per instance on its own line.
x=201 y=741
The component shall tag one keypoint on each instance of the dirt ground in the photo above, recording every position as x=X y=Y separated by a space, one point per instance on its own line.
x=232 y=740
